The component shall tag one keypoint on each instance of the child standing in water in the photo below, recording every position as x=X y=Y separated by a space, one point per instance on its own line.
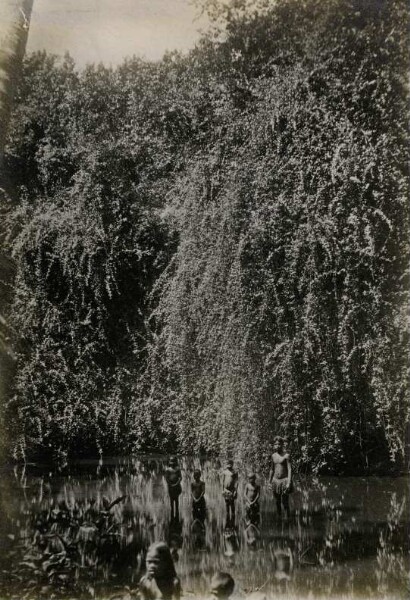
x=230 y=490
x=252 y=495
x=280 y=476
x=198 y=496
x=173 y=478
x=160 y=581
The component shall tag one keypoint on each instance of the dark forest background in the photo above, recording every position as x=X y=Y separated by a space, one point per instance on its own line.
x=213 y=249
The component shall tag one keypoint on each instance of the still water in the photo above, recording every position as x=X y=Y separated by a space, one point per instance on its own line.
x=83 y=534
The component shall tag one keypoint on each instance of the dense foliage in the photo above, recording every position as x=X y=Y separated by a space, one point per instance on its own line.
x=213 y=249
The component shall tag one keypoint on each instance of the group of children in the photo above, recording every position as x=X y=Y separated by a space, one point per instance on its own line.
x=280 y=481
x=161 y=580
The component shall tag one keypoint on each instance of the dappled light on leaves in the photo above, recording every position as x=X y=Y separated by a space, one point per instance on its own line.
x=212 y=249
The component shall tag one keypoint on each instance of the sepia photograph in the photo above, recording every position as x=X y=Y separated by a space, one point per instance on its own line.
x=204 y=299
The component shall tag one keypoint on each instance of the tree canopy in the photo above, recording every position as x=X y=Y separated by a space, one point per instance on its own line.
x=213 y=248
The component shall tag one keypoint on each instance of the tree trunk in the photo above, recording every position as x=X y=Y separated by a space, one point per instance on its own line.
x=14 y=25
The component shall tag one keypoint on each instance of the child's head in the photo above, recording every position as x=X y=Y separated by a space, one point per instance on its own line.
x=222 y=585
x=229 y=463
x=197 y=474
x=252 y=478
x=159 y=561
x=278 y=442
x=173 y=461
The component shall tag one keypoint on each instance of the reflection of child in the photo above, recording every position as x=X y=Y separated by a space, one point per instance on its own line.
x=283 y=564
x=280 y=476
x=252 y=494
x=175 y=538
x=173 y=478
x=198 y=534
x=230 y=542
x=198 y=496
x=252 y=535
x=222 y=585
x=160 y=581
x=230 y=489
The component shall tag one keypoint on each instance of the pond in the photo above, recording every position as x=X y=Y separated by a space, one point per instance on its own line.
x=83 y=533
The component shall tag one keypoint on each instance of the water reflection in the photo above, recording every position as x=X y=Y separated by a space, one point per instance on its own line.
x=174 y=537
x=283 y=563
x=86 y=533
x=252 y=535
x=198 y=535
x=231 y=540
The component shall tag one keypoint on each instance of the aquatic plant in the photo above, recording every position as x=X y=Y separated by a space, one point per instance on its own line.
x=64 y=548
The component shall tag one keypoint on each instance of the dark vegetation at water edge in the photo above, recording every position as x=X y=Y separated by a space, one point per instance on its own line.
x=213 y=249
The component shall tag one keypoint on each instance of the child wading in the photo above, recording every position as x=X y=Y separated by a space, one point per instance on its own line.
x=252 y=494
x=280 y=476
x=230 y=490
x=161 y=581
x=198 y=496
x=173 y=478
